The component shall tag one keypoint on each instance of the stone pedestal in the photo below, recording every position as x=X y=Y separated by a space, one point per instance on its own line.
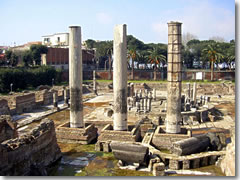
x=66 y=134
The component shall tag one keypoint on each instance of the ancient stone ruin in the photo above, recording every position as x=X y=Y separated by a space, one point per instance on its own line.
x=153 y=127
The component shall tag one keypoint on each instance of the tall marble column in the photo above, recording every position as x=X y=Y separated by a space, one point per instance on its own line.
x=174 y=78
x=75 y=77
x=120 y=77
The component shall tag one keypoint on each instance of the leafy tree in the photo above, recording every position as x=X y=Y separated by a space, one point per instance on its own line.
x=12 y=58
x=134 y=43
x=37 y=50
x=90 y=43
x=8 y=54
x=27 y=58
x=132 y=54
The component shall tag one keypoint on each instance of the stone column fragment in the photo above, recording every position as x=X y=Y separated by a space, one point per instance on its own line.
x=174 y=78
x=154 y=94
x=194 y=93
x=66 y=96
x=120 y=77
x=75 y=77
x=189 y=90
x=55 y=99
x=94 y=83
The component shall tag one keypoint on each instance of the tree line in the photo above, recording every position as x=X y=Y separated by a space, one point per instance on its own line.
x=23 y=78
x=29 y=57
x=203 y=54
x=156 y=54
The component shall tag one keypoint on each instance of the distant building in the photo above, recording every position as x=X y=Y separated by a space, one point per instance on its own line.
x=3 y=49
x=59 y=58
x=25 y=46
x=56 y=40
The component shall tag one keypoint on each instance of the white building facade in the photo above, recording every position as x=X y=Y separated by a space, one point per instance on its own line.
x=56 y=40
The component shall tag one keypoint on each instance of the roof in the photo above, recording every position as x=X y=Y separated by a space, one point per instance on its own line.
x=54 y=34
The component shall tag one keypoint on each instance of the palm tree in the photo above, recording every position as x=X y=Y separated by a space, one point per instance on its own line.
x=155 y=58
x=132 y=54
x=229 y=58
x=213 y=57
x=142 y=58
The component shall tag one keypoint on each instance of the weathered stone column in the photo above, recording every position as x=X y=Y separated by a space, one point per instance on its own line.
x=154 y=94
x=94 y=83
x=189 y=90
x=194 y=93
x=55 y=99
x=145 y=103
x=132 y=89
x=75 y=77
x=150 y=101
x=66 y=96
x=120 y=77
x=174 y=78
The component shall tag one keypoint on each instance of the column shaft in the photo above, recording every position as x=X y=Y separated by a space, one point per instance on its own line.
x=120 y=77
x=75 y=77
x=174 y=78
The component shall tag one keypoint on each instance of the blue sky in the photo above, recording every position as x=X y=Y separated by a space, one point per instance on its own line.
x=28 y=20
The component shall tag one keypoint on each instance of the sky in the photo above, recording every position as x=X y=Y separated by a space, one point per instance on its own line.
x=23 y=21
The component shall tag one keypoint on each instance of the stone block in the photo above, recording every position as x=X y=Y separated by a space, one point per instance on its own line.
x=196 y=163
x=204 y=116
x=130 y=152
x=106 y=147
x=158 y=169
x=186 y=164
x=204 y=161
x=98 y=146
x=173 y=164
x=152 y=162
x=187 y=107
x=212 y=160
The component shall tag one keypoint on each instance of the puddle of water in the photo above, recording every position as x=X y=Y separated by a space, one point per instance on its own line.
x=83 y=160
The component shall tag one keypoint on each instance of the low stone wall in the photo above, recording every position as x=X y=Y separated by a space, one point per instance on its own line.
x=4 y=109
x=162 y=75
x=7 y=128
x=25 y=103
x=31 y=153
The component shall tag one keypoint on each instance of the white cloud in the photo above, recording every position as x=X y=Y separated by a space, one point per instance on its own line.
x=201 y=18
x=104 y=18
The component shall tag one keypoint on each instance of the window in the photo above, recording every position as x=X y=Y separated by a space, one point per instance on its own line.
x=47 y=40
x=58 y=39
